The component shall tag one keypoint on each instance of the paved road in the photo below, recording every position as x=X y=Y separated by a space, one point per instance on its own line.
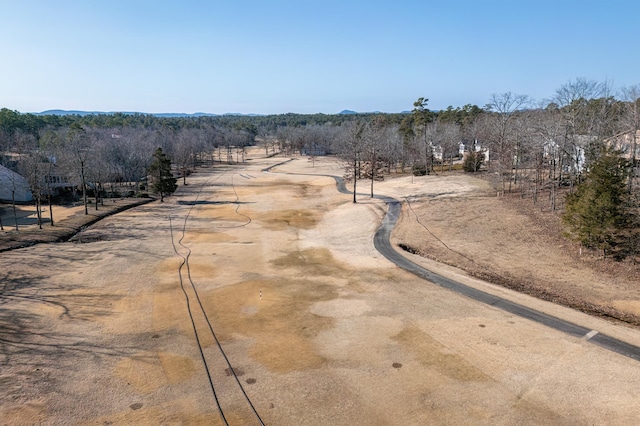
x=383 y=245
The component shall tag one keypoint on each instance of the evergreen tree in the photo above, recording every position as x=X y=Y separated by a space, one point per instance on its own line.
x=598 y=212
x=422 y=117
x=163 y=181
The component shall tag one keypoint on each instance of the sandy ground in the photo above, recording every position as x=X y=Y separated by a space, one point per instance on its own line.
x=318 y=326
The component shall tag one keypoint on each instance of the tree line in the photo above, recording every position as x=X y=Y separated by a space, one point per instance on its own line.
x=541 y=150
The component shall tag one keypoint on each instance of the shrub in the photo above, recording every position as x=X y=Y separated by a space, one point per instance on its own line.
x=419 y=169
x=473 y=161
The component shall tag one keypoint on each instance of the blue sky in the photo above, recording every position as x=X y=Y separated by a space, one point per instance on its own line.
x=273 y=57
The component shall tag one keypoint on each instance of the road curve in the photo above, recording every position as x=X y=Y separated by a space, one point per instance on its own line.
x=382 y=243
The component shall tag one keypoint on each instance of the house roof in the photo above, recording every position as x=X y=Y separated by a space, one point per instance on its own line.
x=624 y=141
x=13 y=187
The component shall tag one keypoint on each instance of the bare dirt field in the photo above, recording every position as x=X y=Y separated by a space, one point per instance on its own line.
x=121 y=325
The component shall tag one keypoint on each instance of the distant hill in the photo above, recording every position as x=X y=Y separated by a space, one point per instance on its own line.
x=157 y=114
x=65 y=112
x=238 y=114
x=349 y=112
x=179 y=114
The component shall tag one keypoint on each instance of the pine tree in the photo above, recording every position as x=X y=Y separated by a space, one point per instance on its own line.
x=597 y=214
x=163 y=181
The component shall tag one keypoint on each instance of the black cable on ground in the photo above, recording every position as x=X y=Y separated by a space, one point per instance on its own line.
x=195 y=330
x=237 y=201
x=202 y=309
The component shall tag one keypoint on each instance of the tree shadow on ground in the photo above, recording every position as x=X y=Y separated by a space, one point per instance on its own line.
x=29 y=306
x=213 y=203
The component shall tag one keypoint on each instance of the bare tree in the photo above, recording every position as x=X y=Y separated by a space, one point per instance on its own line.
x=522 y=147
x=47 y=145
x=32 y=168
x=584 y=108
x=265 y=139
x=631 y=124
x=390 y=146
x=501 y=130
x=209 y=135
x=546 y=130
x=317 y=139
x=373 y=136
x=350 y=146
x=98 y=163
x=185 y=148
x=14 y=181
x=74 y=154
x=138 y=146
x=449 y=140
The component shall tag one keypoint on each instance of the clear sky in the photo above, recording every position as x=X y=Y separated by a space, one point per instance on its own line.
x=273 y=57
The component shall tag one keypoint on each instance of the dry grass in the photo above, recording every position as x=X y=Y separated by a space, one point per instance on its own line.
x=512 y=242
x=280 y=321
x=67 y=222
x=100 y=333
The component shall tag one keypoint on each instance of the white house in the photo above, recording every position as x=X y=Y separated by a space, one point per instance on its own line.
x=437 y=151
x=475 y=146
x=576 y=154
x=626 y=142
x=14 y=186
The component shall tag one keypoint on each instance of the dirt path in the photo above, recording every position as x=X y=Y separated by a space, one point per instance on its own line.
x=320 y=328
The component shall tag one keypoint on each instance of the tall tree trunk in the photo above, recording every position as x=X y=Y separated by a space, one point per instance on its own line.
x=515 y=172
x=50 y=209
x=160 y=180
x=355 y=177
x=535 y=185
x=13 y=202
x=632 y=172
x=84 y=189
x=373 y=168
x=39 y=211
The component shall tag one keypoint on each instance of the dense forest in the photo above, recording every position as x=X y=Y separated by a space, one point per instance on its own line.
x=540 y=150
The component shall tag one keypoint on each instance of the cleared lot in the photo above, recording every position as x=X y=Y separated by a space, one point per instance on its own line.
x=318 y=326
